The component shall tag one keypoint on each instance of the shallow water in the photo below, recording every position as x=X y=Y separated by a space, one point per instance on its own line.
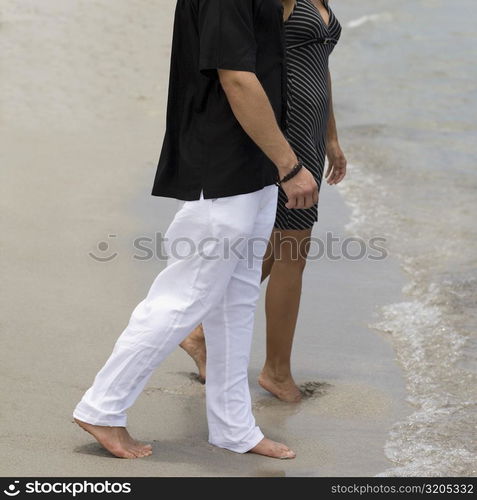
x=405 y=86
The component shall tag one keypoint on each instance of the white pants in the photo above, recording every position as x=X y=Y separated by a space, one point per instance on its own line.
x=215 y=250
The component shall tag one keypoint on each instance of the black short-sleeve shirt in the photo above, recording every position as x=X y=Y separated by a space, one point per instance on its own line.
x=205 y=148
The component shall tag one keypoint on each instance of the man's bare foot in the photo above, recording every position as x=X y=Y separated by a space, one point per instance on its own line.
x=272 y=449
x=117 y=440
x=284 y=388
x=194 y=346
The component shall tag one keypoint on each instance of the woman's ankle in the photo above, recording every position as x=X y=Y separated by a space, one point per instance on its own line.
x=280 y=373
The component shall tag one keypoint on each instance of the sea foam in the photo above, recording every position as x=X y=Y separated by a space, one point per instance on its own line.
x=368 y=18
x=431 y=332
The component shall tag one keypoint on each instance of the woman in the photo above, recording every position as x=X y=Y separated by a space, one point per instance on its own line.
x=311 y=32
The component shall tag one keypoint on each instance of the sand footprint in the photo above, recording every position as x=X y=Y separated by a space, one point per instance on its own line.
x=312 y=390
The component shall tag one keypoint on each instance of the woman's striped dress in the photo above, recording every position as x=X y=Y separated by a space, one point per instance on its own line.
x=309 y=43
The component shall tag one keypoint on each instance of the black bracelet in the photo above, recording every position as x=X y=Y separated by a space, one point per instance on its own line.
x=291 y=174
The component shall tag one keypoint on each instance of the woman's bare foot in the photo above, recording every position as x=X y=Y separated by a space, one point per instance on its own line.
x=272 y=449
x=194 y=346
x=284 y=388
x=117 y=440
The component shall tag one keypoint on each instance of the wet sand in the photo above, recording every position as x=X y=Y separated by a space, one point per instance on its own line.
x=82 y=99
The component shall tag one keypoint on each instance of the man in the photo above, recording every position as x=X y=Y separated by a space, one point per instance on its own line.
x=223 y=152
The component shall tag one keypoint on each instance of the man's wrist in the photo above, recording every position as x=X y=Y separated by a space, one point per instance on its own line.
x=294 y=171
x=286 y=165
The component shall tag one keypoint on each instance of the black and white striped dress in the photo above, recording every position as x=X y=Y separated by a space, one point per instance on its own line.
x=309 y=43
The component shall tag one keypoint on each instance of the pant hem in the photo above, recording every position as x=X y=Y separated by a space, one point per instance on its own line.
x=241 y=447
x=112 y=421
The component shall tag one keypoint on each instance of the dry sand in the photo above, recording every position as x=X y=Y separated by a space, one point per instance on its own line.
x=82 y=98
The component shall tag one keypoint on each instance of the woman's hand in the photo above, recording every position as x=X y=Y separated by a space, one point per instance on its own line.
x=336 y=163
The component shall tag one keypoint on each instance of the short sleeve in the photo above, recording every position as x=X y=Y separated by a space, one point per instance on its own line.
x=227 y=36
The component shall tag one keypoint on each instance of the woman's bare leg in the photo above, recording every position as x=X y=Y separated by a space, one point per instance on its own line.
x=268 y=259
x=194 y=346
x=290 y=249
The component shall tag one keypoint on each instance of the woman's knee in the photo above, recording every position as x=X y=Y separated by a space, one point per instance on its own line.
x=290 y=248
x=290 y=263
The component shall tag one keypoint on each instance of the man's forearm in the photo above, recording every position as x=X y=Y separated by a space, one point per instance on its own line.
x=252 y=108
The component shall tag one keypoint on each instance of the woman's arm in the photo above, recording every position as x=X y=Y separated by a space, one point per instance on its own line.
x=336 y=159
x=288 y=6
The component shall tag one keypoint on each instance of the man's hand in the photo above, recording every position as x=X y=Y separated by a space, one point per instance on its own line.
x=301 y=190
